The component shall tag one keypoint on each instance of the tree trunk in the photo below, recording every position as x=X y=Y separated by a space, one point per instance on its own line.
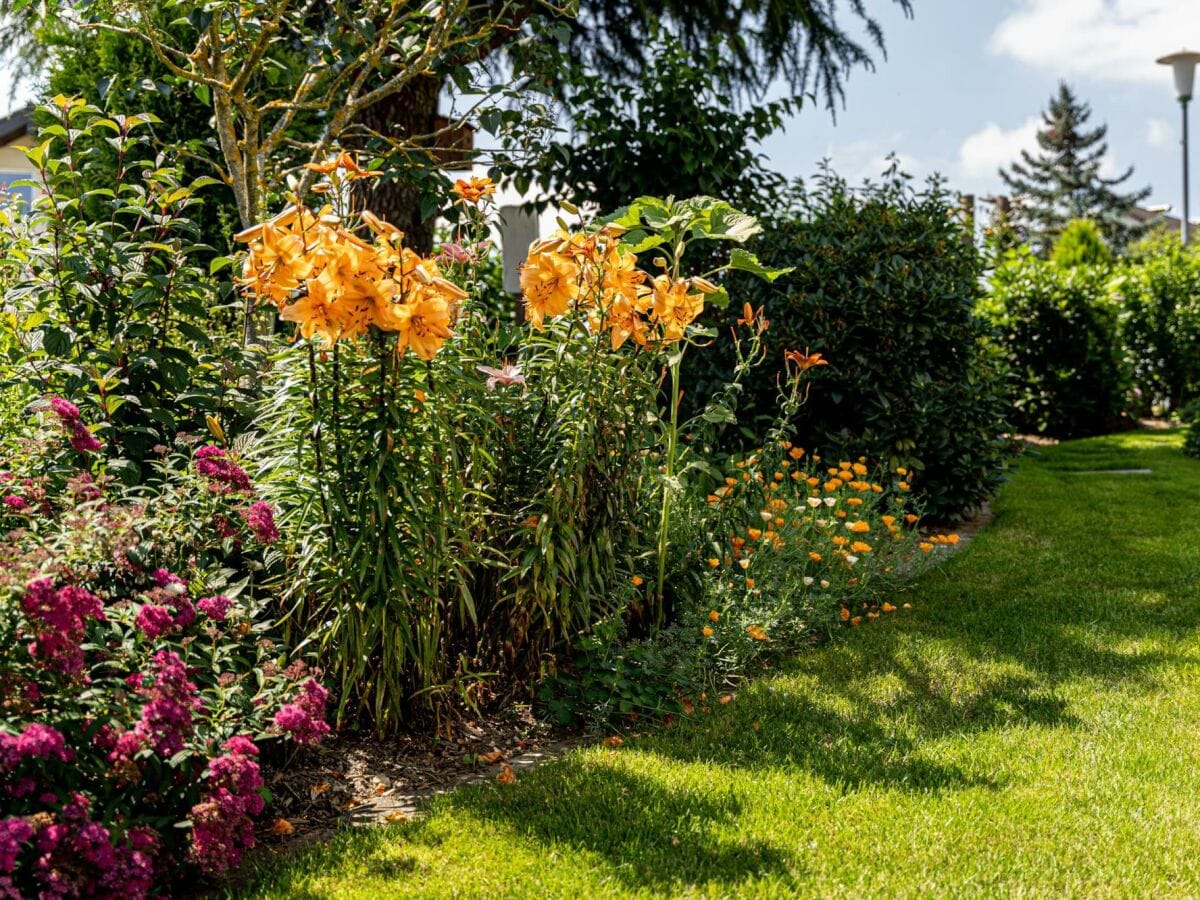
x=408 y=113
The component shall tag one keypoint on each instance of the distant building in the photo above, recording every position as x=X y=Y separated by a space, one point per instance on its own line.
x=16 y=131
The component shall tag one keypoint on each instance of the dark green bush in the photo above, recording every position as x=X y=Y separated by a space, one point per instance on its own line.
x=1160 y=323
x=1191 y=445
x=884 y=286
x=1057 y=329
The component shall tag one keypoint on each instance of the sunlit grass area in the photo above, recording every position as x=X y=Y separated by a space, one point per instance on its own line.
x=1030 y=726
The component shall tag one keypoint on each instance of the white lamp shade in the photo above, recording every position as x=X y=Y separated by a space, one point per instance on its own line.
x=1184 y=65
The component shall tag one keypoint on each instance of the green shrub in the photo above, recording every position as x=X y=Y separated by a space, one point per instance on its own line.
x=884 y=286
x=1056 y=329
x=106 y=298
x=1080 y=244
x=1160 y=323
x=1191 y=444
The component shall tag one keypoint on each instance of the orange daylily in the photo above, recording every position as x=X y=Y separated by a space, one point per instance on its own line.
x=473 y=190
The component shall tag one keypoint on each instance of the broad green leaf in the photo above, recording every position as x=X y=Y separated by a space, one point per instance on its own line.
x=745 y=261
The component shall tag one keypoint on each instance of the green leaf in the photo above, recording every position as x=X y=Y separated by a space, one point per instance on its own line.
x=745 y=261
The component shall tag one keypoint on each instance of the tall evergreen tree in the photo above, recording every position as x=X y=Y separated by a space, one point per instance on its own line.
x=1063 y=181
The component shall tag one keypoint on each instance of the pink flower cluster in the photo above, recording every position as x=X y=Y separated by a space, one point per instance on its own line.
x=222 y=823
x=168 y=607
x=77 y=857
x=260 y=519
x=37 y=741
x=216 y=608
x=223 y=474
x=58 y=617
x=304 y=717
x=166 y=719
x=80 y=437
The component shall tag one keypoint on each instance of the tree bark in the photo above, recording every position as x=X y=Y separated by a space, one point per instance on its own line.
x=408 y=113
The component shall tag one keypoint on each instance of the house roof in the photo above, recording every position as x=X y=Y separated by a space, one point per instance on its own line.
x=16 y=124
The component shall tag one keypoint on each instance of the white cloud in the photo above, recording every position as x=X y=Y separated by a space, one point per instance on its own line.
x=992 y=147
x=1160 y=133
x=1115 y=40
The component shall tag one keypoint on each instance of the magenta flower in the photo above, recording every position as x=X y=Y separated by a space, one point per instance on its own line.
x=216 y=608
x=15 y=502
x=67 y=411
x=222 y=824
x=304 y=717
x=223 y=474
x=154 y=621
x=58 y=617
x=260 y=519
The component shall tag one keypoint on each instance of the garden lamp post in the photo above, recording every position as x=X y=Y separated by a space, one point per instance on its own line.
x=1184 y=65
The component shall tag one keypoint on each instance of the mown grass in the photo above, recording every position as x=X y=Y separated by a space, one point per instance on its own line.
x=1031 y=727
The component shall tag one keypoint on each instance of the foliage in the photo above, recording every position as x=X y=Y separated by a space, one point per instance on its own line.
x=1191 y=444
x=883 y=287
x=106 y=299
x=761 y=42
x=785 y=548
x=463 y=507
x=1160 y=323
x=674 y=132
x=1056 y=329
x=141 y=666
x=1063 y=182
x=1080 y=244
x=118 y=73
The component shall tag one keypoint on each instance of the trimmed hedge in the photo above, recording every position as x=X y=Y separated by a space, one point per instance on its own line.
x=1056 y=328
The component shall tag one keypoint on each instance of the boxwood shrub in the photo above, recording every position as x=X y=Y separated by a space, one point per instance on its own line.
x=885 y=284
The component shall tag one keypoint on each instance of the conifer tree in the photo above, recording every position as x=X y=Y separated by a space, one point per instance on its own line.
x=1063 y=181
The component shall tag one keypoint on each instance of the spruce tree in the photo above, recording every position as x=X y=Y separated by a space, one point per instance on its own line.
x=1063 y=181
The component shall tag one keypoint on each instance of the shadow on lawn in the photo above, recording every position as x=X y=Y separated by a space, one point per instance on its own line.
x=654 y=834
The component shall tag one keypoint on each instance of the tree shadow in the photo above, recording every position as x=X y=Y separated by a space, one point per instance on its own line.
x=656 y=833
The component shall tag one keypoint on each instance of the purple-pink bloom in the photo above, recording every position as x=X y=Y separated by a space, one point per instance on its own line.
x=223 y=474
x=304 y=717
x=16 y=502
x=154 y=621
x=260 y=518
x=166 y=718
x=59 y=618
x=222 y=824
x=82 y=438
x=216 y=608
x=64 y=409
x=13 y=833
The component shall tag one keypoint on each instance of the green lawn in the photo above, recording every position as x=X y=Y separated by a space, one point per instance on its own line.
x=1031 y=727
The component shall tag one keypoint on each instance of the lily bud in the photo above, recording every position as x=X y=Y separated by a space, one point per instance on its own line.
x=612 y=229
x=569 y=207
x=660 y=261
x=704 y=285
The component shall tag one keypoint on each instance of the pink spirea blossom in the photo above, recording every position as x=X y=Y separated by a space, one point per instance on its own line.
x=78 y=434
x=64 y=409
x=37 y=741
x=304 y=717
x=216 y=608
x=222 y=823
x=223 y=474
x=58 y=617
x=76 y=857
x=166 y=719
x=13 y=833
x=15 y=502
x=154 y=621
x=260 y=518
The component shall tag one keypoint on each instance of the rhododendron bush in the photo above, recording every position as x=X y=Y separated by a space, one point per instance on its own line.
x=141 y=667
